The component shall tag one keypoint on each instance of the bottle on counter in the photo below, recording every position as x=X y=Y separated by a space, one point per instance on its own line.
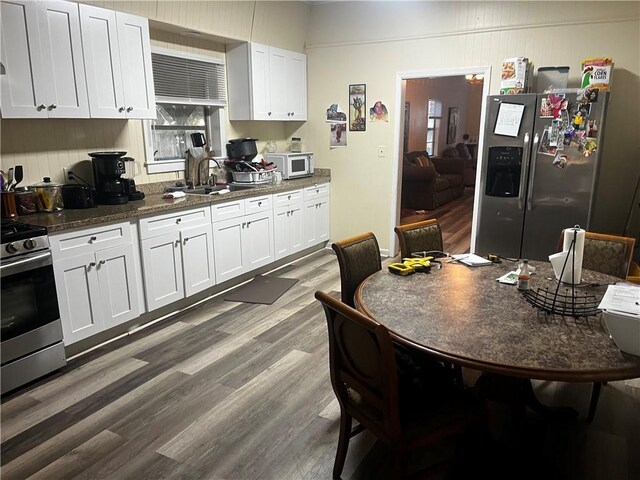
x=524 y=276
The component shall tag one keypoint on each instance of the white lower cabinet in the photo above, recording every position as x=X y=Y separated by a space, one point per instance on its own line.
x=316 y=215
x=97 y=287
x=180 y=262
x=288 y=225
x=245 y=242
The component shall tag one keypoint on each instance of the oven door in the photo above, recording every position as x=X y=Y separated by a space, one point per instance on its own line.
x=30 y=318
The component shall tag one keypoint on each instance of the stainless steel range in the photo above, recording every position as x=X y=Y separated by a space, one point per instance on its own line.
x=31 y=332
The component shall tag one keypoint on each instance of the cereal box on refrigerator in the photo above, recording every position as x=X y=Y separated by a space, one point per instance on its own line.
x=516 y=74
x=596 y=73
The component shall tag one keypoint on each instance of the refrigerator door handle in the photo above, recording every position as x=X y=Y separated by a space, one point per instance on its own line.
x=523 y=172
x=534 y=148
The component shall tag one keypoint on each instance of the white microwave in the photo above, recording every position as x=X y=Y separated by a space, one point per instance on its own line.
x=292 y=165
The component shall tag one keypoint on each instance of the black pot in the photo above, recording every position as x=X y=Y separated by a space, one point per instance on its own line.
x=242 y=148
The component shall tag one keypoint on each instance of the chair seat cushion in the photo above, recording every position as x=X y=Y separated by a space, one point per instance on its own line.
x=441 y=183
x=454 y=180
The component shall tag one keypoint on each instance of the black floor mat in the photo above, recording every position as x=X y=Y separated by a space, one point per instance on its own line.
x=261 y=289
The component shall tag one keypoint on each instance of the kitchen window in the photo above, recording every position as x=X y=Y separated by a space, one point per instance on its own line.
x=434 y=115
x=190 y=93
x=168 y=137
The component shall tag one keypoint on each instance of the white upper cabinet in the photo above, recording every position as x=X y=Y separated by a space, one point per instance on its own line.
x=117 y=54
x=43 y=62
x=266 y=83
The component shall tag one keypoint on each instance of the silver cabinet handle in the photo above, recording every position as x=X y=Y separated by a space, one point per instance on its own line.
x=177 y=243
x=259 y=204
x=186 y=240
x=92 y=264
x=121 y=109
x=93 y=239
x=178 y=220
x=129 y=109
x=102 y=262
x=243 y=224
x=269 y=113
x=289 y=197
x=42 y=106
x=53 y=106
x=248 y=223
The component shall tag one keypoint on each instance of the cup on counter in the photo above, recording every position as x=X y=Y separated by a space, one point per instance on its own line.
x=9 y=209
x=276 y=178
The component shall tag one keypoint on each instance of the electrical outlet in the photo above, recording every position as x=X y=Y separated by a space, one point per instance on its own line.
x=382 y=151
x=67 y=178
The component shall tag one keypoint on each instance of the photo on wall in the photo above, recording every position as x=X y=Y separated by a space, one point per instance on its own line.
x=338 y=135
x=357 y=102
x=452 y=126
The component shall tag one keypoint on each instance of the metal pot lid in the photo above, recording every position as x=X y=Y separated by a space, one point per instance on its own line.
x=46 y=183
x=107 y=154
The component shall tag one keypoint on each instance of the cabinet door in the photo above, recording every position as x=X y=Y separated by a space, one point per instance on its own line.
x=102 y=62
x=135 y=61
x=197 y=259
x=257 y=240
x=117 y=279
x=316 y=221
x=278 y=82
x=296 y=229
x=296 y=86
x=78 y=297
x=322 y=220
x=281 y=232
x=63 y=62
x=22 y=93
x=162 y=266
x=228 y=252
x=260 y=86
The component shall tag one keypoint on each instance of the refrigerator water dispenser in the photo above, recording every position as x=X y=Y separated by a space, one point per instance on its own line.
x=503 y=171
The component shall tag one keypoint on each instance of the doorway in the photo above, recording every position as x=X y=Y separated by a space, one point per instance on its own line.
x=440 y=107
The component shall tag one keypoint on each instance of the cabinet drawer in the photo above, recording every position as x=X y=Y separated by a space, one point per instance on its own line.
x=321 y=190
x=258 y=204
x=223 y=211
x=287 y=198
x=172 y=222
x=77 y=242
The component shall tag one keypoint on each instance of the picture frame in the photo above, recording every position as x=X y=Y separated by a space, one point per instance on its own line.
x=452 y=125
x=357 y=107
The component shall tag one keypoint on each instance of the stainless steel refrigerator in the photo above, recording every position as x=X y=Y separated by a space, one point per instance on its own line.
x=541 y=155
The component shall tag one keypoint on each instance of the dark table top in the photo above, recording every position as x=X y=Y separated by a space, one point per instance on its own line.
x=463 y=315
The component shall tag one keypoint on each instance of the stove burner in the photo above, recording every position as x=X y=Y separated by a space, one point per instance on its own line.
x=20 y=238
x=13 y=230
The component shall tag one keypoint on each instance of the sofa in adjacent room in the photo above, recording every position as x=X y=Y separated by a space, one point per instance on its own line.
x=430 y=182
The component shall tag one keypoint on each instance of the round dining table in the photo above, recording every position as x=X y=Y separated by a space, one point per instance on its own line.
x=464 y=316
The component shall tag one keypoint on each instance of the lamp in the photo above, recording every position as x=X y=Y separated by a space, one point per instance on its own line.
x=474 y=79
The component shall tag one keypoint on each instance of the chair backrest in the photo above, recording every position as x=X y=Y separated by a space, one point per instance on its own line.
x=609 y=254
x=419 y=237
x=362 y=367
x=358 y=257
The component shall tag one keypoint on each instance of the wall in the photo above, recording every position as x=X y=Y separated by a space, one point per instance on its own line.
x=451 y=92
x=44 y=147
x=429 y=36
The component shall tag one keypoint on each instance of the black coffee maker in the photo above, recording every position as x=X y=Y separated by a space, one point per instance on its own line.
x=108 y=168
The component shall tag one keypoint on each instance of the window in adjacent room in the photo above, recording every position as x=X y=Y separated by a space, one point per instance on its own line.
x=434 y=114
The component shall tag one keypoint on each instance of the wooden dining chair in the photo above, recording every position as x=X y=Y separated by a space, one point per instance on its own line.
x=364 y=377
x=358 y=257
x=611 y=255
x=608 y=254
x=419 y=237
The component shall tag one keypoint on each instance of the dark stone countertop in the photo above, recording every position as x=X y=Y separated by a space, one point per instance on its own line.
x=153 y=203
x=463 y=314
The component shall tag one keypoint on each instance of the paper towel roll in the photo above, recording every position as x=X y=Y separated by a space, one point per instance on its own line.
x=569 y=234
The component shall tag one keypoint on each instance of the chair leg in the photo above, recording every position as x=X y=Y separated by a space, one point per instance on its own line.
x=343 y=444
x=595 y=396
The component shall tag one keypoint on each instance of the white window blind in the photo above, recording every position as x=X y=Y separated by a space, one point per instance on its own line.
x=182 y=78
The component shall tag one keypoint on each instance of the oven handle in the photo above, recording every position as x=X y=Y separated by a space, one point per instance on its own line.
x=24 y=264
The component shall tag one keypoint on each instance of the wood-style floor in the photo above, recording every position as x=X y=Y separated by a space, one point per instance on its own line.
x=238 y=391
x=454 y=218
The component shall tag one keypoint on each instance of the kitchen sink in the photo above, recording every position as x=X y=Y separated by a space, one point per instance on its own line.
x=209 y=190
